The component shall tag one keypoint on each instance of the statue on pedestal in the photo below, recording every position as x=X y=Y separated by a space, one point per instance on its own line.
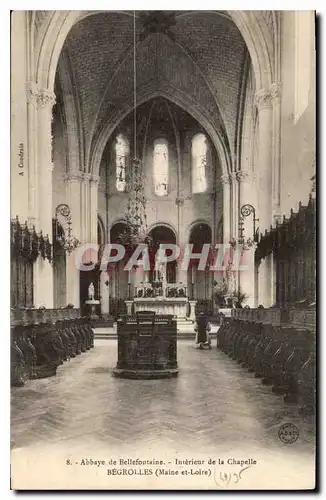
x=91 y=302
x=91 y=291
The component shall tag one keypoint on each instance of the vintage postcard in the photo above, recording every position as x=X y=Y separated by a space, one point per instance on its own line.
x=163 y=250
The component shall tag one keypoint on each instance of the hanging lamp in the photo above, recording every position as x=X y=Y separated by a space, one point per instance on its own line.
x=135 y=216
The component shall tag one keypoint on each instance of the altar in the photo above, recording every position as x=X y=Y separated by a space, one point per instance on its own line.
x=177 y=306
x=162 y=298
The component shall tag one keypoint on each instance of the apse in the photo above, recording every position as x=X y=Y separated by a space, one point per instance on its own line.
x=162 y=235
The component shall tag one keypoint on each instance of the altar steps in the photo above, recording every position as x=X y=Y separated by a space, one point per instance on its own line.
x=185 y=331
x=185 y=328
x=106 y=332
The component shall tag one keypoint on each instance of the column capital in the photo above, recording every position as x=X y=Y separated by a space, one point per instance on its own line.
x=276 y=90
x=94 y=180
x=263 y=99
x=41 y=97
x=74 y=176
x=245 y=176
x=225 y=179
x=233 y=177
x=86 y=176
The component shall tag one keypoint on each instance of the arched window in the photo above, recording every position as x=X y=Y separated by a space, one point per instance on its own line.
x=199 y=163
x=161 y=167
x=121 y=153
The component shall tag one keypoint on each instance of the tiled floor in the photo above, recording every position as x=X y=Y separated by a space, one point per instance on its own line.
x=213 y=408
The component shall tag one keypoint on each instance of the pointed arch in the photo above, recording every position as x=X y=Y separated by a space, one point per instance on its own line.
x=251 y=24
x=72 y=112
x=170 y=93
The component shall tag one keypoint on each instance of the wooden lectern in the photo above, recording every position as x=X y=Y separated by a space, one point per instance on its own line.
x=147 y=346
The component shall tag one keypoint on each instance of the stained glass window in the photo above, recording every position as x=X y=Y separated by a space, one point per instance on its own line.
x=121 y=153
x=161 y=167
x=199 y=163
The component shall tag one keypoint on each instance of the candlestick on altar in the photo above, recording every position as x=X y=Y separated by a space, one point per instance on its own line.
x=129 y=285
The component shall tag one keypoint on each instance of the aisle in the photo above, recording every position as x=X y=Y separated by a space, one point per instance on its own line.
x=213 y=407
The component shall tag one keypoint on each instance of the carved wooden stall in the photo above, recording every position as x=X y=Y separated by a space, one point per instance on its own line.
x=147 y=346
x=293 y=245
x=42 y=339
x=282 y=354
x=279 y=344
x=26 y=246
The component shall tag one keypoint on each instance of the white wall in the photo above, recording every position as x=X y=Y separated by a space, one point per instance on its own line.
x=20 y=175
x=298 y=108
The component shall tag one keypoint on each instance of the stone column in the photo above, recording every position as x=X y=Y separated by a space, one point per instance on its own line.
x=276 y=173
x=234 y=217
x=43 y=270
x=89 y=187
x=227 y=218
x=247 y=195
x=73 y=196
x=94 y=182
x=226 y=181
x=107 y=278
x=85 y=208
x=265 y=189
x=234 y=191
x=265 y=158
x=181 y=275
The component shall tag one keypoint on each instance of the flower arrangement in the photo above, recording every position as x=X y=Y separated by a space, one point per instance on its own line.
x=220 y=292
x=224 y=298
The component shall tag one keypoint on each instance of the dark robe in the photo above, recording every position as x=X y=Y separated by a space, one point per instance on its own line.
x=202 y=323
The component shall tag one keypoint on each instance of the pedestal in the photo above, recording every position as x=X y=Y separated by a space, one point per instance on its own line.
x=92 y=303
x=129 y=304
x=192 y=315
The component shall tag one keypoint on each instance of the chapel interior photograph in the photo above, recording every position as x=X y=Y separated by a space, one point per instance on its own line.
x=163 y=245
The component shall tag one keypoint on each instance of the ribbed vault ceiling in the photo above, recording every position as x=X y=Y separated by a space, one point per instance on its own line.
x=199 y=54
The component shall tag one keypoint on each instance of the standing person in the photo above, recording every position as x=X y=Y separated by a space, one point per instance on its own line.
x=202 y=329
